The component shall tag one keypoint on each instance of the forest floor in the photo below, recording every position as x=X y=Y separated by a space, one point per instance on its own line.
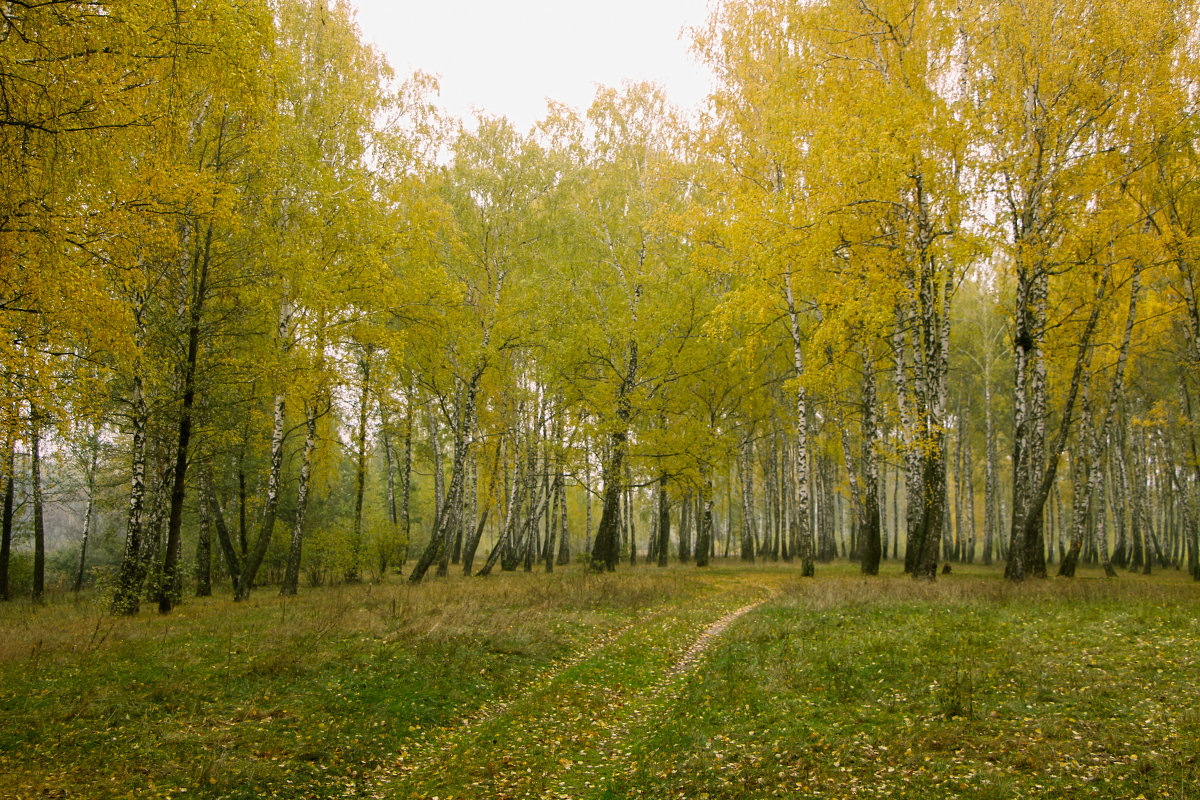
x=728 y=682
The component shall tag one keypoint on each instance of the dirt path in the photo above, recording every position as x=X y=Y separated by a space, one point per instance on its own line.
x=568 y=733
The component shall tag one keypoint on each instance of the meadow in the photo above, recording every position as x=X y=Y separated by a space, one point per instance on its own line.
x=728 y=682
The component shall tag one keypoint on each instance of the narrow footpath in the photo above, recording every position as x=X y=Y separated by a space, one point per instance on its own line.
x=569 y=734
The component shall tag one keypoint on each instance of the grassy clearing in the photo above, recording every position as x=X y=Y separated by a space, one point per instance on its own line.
x=846 y=687
x=570 y=686
x=568 y=734
x=281 y=697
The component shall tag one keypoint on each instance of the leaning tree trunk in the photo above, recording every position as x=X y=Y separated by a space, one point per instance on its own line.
x=93 y=447
x=255 y=557
x=502 y=541
x=452 y=504
x=1092 y=438
x=170 y=589
x=210 y=506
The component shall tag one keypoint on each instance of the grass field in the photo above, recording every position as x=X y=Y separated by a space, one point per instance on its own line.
x=720 y=683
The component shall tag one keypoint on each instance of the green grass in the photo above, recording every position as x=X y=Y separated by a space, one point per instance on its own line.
x=568 y=686
x=277 y=697
x=847 y=687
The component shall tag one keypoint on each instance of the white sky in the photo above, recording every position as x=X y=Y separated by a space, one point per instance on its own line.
x=506 y=57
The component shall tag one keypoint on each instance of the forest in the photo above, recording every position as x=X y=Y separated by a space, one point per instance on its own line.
x=835 y=438
x=916 y=283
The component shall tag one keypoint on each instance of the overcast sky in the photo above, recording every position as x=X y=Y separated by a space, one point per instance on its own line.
x=506 y=57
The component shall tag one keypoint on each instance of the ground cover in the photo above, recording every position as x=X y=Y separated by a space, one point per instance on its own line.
x=727 y=682
x=282 y=697
x=973 y=688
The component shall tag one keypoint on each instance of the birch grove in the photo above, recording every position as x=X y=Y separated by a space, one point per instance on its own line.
x=916 y=283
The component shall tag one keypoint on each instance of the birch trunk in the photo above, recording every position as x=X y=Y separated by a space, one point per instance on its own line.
x=664 y=521
x=1023 y=345
x=478 y=521
x=452 y=505
x=969 y=471
x=1035 y=538
x=587 y=500
x=685 y=529
x=266 y=531
x=804 y=527
x=564 y=543
x=126 y=597
x=746 y=471
x=630 y=523
x=354 y=573
x=991 y=479
x=869 y=528
x=435 y=448
x=606 y=547
x=1119 y=486
x=203 y=548
x=705 y=532
x=406 y=480
x=1027 y=524
x=39 y=528
x=552 y=533
x=389 y=462
x=912 y=457
x=93 y=446
x=291 y=575
x=509 y=523
x=6 y=520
